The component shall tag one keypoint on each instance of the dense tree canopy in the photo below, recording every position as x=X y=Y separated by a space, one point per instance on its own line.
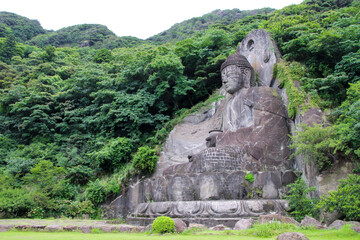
x=191 y=27
x=24 y=29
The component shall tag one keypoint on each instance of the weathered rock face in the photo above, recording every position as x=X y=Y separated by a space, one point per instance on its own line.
x=187 y=138
x=262 y=53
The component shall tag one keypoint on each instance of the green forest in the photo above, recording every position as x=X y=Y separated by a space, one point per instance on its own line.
x=82 y=111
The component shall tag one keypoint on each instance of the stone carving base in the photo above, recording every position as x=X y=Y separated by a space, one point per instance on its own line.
x=209 y=222
x=210 y=213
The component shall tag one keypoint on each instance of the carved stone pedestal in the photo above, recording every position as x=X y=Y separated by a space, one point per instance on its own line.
x=209 y=213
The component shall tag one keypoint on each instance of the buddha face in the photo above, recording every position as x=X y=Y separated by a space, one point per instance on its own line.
x=233 y=79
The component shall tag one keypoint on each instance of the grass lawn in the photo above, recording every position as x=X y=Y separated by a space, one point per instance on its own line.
x=257 y=232
x=346 y=233
x=111 y=236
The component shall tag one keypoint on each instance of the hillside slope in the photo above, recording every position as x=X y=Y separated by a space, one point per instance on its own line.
x=187 y=28
x=23 y=28
x=84 y=35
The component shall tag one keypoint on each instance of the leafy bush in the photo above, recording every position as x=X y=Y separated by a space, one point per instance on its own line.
x=316 y=143
x=15 y=202
x=80 y=174
x=47 y=178
x=25 y=201
x=300 y=203
x=163 y=224
x=37 y=212
x=113 y=154
x=73 y=209
x=19 y=166
x=249 y=177
x=348 y=123
x=345 y=200
x=95 y=192
x=145 y=160
x=102 y=55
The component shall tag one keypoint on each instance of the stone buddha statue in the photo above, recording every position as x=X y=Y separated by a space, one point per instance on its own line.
x=248 y=137
x=236 y=74
x=249 y=133
x=250 y=126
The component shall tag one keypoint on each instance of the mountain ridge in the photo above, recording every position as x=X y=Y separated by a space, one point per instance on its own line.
x=99 y=36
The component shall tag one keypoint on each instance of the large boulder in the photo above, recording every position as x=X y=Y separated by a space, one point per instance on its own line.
x=292 y=236
x=70 y=228
x=125 y=228
x=244 y=224
x=85 y=228
x=38 y=227
x=197 y=225
x=220 y=227
x=53 y=228
x=107 y=227
x=330 y=217
x=337 y=224
x=356 y=228
x=140 y=229
x=6 y=227
x=180 y=225
x=309 y=221
x=23 y=227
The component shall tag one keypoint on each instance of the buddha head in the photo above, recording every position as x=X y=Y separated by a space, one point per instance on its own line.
x=237 y=73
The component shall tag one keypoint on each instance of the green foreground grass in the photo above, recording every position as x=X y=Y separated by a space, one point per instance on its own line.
x=267 y=231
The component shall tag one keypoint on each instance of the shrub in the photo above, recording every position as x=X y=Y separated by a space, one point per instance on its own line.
x=95 y=192
x=316 y=143
x=345 y=200
x=19 y=166
x=163 y=224
x=6 y=144
x=113 y=154
x=15 y=202
x=300 y=203
x=249 y=177
x=145 y=160
x=48 y=179
x=102 y=55
x=73 y=209
x=37 y=212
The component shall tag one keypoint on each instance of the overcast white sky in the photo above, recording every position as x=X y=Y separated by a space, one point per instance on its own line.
x=138 y=18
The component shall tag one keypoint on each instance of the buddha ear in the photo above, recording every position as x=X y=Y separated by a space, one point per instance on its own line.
x=247 y=75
